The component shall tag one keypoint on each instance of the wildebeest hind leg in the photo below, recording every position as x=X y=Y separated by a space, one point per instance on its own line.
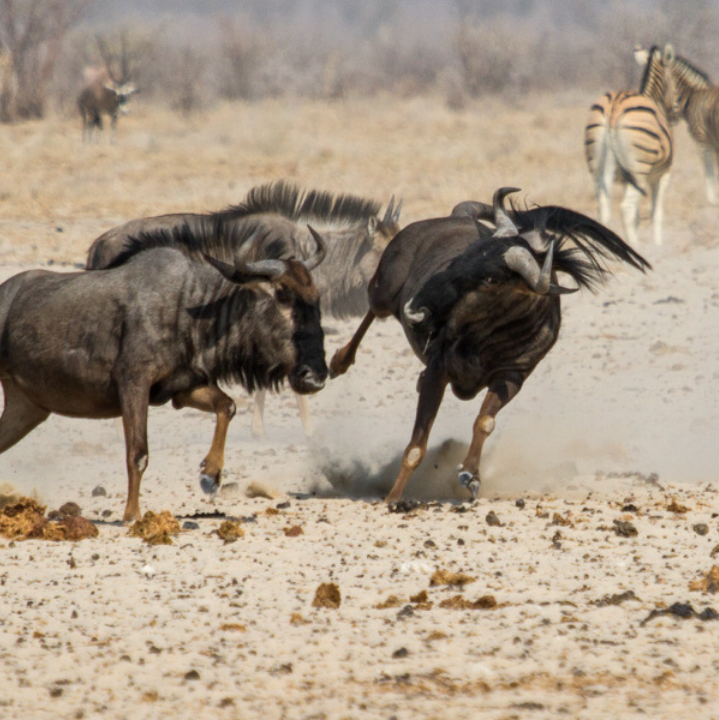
x=345 y=356
x=258 y=415
x=210 y=399
x=498 y=395
x=19 y=417
x=432 y=385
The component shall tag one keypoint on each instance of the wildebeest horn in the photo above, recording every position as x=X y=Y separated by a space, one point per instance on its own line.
x=505 y=227
x=312 y=262
x=263 y=268
x=522 y=262
x=395 y=214
x=388 y=212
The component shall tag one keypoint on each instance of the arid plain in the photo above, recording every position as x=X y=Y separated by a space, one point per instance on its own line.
x=554 y=606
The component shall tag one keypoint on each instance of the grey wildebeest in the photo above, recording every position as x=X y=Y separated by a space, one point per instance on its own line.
x=102 y=95
x=270 y=223
x=167 y=324
x=480 y=305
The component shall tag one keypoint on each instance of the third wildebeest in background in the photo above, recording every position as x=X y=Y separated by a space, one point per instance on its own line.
x=168 y=323
x=271 y=223
x=477 y=295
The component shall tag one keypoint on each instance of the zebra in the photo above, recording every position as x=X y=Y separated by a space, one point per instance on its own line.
x=628 y=138
x=697 y=100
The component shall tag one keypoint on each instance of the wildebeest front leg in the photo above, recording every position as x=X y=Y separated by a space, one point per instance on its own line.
x=498 y=395
x=432 y=385
x=345 y=356
x=210 y=399
x=134 y=404
x=258 y=415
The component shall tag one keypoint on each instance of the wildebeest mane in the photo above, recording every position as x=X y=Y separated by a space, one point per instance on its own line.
x=302 y=206
x=213 y=238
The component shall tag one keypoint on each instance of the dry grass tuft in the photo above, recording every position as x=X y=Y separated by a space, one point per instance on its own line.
x=156 y=529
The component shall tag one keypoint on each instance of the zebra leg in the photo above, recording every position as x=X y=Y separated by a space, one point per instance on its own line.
x=604 y=180
x=630 y=213
x=658 y=191
x=710 y=162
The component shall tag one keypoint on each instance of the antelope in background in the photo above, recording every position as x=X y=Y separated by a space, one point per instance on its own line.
x=628 y=138
x=105 y=91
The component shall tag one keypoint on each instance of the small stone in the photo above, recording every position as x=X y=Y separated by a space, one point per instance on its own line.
x=492 y=519
x=700 y=528
x=99 y=491
x=192 y=675
x=400 y=653
x=406 y=612
x=520 y=503
x=106 y=513
x=624 y=528
x=190 y=525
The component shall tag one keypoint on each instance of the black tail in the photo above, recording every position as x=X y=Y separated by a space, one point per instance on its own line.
x=590 y=237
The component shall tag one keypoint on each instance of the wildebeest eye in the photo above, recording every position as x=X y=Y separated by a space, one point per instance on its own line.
x=283 y=296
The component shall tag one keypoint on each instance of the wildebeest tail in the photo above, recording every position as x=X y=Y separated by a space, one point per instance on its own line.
x=594 y=243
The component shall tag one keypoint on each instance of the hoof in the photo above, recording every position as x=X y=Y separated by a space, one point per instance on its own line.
x=471 y=482
x=209 y=485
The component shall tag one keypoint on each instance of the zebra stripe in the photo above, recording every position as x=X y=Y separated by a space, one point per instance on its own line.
x=628 y=139
x=697 y=101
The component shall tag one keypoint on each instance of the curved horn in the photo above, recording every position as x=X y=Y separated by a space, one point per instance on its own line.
x=312 y=262
x=387 y=219
x=243 y=273
x=266 y=268
x=505 y=227
x=523 y=262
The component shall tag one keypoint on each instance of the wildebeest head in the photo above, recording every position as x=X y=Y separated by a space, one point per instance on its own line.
x=298 y=302
x=508 y=259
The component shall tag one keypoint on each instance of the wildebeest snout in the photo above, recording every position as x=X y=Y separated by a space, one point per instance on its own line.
x=306 y=380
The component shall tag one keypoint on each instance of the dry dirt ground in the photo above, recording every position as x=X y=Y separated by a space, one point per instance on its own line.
x=557 y=615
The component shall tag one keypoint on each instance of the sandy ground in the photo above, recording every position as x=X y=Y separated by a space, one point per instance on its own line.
x=619 y=423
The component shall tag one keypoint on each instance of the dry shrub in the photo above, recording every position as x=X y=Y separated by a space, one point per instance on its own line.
x=709 y=583
x=156 y=529
x=327 y=595
x=230 y=531
x=445 y=577
x=459 y=602
x=25 y=520
x=392 y=601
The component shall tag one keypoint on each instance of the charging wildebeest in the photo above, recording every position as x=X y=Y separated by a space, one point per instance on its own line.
x=480 y=305
x=165 y=325
x=270 y=223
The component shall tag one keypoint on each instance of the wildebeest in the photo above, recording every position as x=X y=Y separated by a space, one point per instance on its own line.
x=271 y=223
x=480 y=305
x=165 y=325
x=102 y=95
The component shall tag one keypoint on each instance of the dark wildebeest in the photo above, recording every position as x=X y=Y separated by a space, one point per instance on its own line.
x=102 y=94
x=480 y=305
x=165 y=325
x=270 y=223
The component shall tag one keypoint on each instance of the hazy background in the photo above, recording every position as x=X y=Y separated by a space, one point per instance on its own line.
x=191 y=54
